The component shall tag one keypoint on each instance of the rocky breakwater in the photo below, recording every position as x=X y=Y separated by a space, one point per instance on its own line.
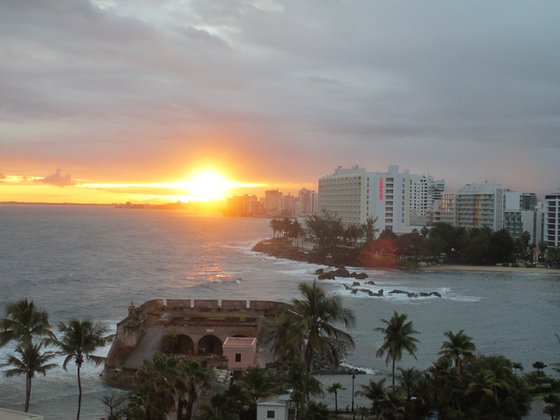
x=356 y=287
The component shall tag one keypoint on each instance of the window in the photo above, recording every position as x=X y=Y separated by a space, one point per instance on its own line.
x=238 y=357
x=270 y=414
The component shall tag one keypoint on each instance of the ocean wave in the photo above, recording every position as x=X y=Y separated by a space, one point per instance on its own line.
x=367 y=370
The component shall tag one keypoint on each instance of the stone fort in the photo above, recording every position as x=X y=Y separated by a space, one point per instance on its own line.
x=194 y=329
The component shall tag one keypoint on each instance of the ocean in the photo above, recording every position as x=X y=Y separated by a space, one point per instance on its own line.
x=91 y=262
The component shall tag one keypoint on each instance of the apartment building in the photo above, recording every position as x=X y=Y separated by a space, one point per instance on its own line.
x=477 y=206
x=400 y=201
x=551 y=220
x=521 y=215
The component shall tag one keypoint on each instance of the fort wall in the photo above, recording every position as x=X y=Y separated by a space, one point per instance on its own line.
x=193 y=328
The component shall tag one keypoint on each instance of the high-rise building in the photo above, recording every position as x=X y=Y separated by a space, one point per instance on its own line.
x=520 y=214
x=479 y=205
x=306 y=203
x=400 y=201
x=551 y=220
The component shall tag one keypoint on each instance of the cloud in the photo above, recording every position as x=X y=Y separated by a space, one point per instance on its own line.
x=57 y=179
x=106 y=83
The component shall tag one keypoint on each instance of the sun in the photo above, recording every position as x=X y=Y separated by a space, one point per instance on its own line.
x=207 y=185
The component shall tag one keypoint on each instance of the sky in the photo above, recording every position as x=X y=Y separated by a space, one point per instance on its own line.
x=114 y=101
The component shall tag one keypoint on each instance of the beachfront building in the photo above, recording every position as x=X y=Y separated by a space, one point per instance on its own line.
x=521 y=215
x=475 y=206
x=551 y=220
x=400 y=201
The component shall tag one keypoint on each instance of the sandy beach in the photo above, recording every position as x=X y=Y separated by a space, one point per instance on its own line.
x=492 y=269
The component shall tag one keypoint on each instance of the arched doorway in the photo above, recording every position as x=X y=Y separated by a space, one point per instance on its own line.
x=177 y=344
x=184 y=344
x=210 y=344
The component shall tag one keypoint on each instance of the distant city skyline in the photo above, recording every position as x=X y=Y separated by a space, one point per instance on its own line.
x=112 y=101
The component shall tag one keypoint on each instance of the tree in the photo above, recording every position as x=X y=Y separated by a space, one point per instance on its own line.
x=502 y=246
x=398 y=336
x=333 y=389
x=539 y=366
x=159 y=385
x=196 y=378
x=553 y=406
x=31 y=360
x=376 y=393
x=408 y=380
x=326 y=230
x=307 y=330
x=457 y=348
x=258 y=383
x=115 y=403
x=80 y=339
x=353 y=233
x=369 y=228
x=318 y=313
x=23 y=321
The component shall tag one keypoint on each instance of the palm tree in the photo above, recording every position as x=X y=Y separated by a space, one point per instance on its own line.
x=80 y=339
x=398 y=337
x=539 y=367
x=517 y=366
x=408 y=380
x=31 y=360
x=333 y=389
x=159 y=384
x=197 y=377
x=23 y=321
x=458 y=348
x=258 y=383
x=376 y=393
x=317 y=313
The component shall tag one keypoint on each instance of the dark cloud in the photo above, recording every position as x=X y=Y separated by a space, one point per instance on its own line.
x=57 y=179
x=357 y=81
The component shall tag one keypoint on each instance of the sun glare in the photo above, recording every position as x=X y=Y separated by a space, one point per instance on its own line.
x=207 y=185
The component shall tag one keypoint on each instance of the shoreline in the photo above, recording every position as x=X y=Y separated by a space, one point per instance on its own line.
x=489 y=269
x=281 y=250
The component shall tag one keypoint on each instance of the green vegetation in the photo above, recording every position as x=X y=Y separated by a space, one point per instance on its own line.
x=459 y=384
x=357 y=245
x=24 y=324
x=397 y=336
x=78 y=341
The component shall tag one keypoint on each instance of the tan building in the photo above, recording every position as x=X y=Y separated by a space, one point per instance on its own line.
x=240 y=352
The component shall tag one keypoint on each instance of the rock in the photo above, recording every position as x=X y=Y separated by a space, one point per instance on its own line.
x=397 y=291
x=424 y=294
x=356 y=283
x=435 y=294
x=319 y=271
x=361 y=276
x=380 y=292
x=354 y=291
x=329 y=275
x=353 y=274
x=342 y=272
x=412 y=295
x=370 y=282
x=347 y=287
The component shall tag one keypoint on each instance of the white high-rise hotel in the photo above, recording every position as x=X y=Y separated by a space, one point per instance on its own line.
x=400 y=201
